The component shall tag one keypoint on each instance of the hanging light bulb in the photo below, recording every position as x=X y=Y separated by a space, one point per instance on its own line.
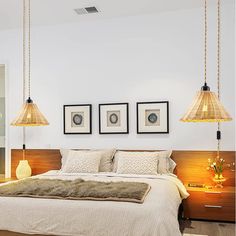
x=206 y=106
x=29 y=114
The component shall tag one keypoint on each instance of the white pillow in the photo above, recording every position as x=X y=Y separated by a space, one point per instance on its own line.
x=64 y=155
x=82 y=162
x=135 y=155
x=106 y=159
x=144 y=165
x=164 y=165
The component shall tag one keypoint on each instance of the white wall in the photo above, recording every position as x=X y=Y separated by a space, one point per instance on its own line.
x=2 y=106
x=2 y=81
x=139 y=58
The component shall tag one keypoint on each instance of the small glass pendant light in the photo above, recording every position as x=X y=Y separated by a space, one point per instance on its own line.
x=206 y=106
x=29 y=114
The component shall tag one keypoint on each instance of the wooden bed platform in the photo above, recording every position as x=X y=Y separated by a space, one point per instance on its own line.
x=190 y=164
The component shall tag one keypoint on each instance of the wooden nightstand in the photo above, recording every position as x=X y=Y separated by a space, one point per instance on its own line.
x=210 y=204
x=5 y=180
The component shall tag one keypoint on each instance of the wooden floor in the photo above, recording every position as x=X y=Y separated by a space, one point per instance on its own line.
x=207 y=228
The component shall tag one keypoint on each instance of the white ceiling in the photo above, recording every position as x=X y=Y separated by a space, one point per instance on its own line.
x=48 y=12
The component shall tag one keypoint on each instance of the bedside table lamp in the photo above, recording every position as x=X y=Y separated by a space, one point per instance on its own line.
x=29 y=115
x=23 y=170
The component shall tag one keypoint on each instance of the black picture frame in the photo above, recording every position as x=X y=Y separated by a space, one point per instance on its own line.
x=100 y=119
x=90 y=118
x=167 y=117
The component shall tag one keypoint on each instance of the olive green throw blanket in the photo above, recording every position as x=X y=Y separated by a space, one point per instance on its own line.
x=78 y=189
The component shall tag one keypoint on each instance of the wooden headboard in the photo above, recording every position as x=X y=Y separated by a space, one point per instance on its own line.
x=191 y=165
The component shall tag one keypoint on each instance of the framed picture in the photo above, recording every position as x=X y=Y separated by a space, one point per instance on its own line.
x=153 y=117
x=114 y=118
x=77 y=119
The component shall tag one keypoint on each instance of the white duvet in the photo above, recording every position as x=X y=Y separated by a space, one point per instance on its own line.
x=157 y=216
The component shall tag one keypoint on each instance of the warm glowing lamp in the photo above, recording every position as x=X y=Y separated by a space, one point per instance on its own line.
x=30 y=115
x=206 y=106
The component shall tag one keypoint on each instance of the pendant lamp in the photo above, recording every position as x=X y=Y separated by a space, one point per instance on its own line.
x=206 y=106
x=29 y=114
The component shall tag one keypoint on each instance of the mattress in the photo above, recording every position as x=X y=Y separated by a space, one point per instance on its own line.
x=156 y=216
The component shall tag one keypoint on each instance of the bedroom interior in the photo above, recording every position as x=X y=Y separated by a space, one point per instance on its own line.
x=112 y=148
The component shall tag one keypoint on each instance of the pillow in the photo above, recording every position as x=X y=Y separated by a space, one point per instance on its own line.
x=82 y=162
x=165 y=164
x=144 y=165
x=64 y=156
x=106 y=159
x=135 y=155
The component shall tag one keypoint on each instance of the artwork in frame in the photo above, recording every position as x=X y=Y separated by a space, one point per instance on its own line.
x=77 y=119
x=153 y=117
x=114 y=118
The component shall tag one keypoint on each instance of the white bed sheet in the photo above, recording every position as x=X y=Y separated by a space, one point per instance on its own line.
x=157 y=216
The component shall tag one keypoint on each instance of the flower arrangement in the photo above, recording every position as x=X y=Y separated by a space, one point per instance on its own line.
x=217 y=166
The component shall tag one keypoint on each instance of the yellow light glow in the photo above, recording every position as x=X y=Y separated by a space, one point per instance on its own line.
x=205 y=108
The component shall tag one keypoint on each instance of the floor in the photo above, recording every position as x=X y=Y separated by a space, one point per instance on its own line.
x=207 y=228
x=188 y=228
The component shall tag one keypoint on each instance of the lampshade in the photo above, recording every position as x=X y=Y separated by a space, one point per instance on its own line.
x=206 y=107
x=30 y=116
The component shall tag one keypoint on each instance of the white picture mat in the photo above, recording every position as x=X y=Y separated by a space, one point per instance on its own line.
x=68 y=127
x=163 y=117
x=123 y=118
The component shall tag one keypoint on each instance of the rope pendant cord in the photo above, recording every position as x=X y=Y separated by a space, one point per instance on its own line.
x=205 y=42
x=218 y=73
x=29 y=47
x=24 y=67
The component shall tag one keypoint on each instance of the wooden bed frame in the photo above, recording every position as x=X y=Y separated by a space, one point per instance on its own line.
x=191 y=167
x=190 y=164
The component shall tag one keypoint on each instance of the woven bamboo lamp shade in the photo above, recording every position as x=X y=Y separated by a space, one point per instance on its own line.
x=206 y=107
x=30 y=115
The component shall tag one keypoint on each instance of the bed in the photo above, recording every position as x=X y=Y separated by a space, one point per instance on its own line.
x=156 y=216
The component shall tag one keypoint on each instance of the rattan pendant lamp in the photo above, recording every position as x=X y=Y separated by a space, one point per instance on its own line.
x=29 y=114
x=206 y=106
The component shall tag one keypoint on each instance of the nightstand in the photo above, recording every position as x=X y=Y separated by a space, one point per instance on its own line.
x=5 y=180
x=210 y=204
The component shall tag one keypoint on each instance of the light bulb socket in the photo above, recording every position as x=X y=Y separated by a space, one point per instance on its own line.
x=218 y=135
x=29 y=100
x=205 y=87
x=23 y=146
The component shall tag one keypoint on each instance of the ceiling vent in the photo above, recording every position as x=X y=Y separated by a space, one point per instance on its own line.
x=86 y=10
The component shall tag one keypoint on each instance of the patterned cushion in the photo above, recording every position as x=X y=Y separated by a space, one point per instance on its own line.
x=131 y=154
x=106 y=159
x=164 y=165
x=82 y=162
x=140 y=166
